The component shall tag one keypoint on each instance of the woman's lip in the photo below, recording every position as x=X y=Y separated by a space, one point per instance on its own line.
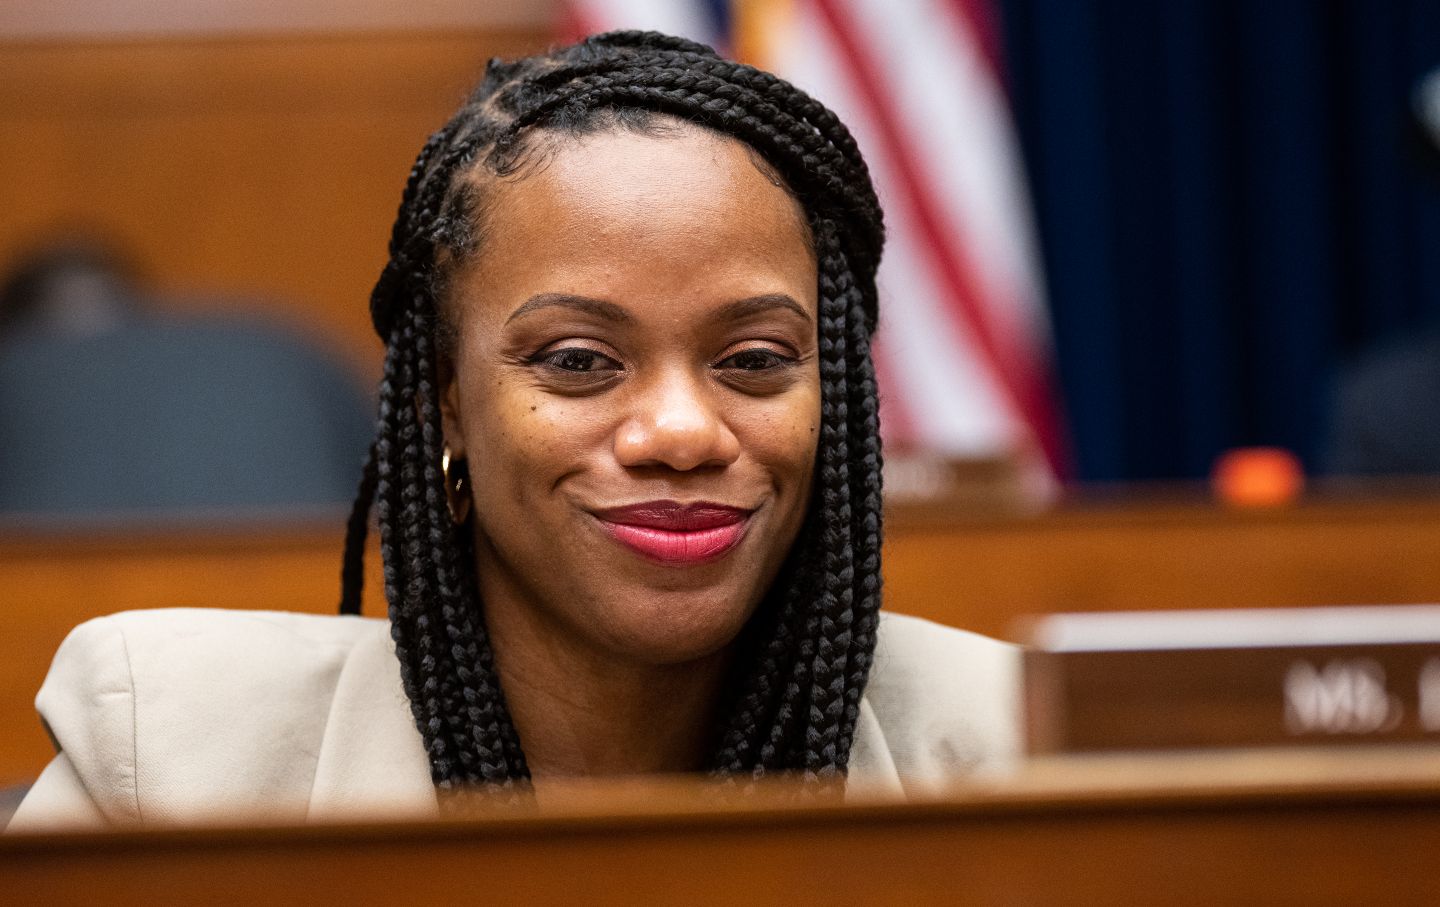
x=677 y=548
x=676 y=534
x=675 y=516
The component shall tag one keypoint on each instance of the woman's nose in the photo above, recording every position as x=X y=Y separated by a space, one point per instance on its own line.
x=675 y=424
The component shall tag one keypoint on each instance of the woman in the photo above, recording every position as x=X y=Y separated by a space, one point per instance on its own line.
x=627 y=480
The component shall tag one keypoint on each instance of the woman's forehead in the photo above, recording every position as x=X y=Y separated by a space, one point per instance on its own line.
x=615 y=213
x=682 y=170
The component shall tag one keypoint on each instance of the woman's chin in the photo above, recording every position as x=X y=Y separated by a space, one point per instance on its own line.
x=671 y=628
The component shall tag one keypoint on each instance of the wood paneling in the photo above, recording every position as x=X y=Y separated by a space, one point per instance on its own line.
x=1342 y=551
x=68 y=19
x=268 y=169
x=1240 y=838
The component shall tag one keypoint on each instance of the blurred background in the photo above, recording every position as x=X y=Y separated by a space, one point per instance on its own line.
x=1126 y=238
x=1134 y=246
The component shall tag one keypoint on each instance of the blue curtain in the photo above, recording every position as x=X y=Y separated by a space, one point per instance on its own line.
x=1226 y=211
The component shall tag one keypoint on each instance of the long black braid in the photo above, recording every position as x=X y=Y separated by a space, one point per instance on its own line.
x=806 y=654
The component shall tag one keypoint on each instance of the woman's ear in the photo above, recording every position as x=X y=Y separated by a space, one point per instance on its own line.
x=450 y=425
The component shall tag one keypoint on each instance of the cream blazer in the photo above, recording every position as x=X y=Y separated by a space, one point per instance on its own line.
x=180 y=715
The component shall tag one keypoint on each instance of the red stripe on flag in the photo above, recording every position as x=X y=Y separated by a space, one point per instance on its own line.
x=979 y=22
x=982 y=27
x=1020 y=373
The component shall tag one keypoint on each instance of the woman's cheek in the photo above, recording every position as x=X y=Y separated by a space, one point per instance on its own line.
x=783 y=437
x=563 y=432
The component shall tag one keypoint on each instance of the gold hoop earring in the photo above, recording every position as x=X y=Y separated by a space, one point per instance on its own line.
x=457 y=494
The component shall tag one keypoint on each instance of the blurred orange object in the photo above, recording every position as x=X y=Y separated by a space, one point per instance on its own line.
x=1257 y=477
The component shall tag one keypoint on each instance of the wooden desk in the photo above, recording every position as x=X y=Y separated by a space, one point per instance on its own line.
x=958 y=568
x=1248 y=829
x=1160 y=552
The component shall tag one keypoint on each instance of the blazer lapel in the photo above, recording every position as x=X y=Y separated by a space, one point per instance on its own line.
x=372 y=763
x=872 y=770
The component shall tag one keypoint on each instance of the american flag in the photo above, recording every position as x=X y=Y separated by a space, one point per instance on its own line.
x=964 y=353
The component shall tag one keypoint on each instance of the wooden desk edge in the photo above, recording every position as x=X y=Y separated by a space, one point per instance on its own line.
x=1062 y=786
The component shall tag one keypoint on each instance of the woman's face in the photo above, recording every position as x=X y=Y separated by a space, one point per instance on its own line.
x=635 y=387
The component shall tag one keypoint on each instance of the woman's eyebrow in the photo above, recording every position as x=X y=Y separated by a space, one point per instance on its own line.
x=597 y=307
x=753 y=305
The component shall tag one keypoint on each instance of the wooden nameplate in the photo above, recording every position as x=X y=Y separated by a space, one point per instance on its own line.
x=1165 y=680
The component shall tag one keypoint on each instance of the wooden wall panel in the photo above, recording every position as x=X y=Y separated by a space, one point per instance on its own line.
x=984 y=574
x=68 y=19
x=262 y=167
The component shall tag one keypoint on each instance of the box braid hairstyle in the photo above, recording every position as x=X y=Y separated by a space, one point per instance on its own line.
x=806 y=653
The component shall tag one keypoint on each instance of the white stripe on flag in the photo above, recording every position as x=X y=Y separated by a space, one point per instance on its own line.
x=954 y=403
x=957 y=124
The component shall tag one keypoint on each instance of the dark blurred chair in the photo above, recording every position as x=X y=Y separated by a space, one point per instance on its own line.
x=1383 y=417
x=71 y=283
x=164 y=414
x=1384 y=421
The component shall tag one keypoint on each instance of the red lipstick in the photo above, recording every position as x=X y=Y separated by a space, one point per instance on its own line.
x=676 y=534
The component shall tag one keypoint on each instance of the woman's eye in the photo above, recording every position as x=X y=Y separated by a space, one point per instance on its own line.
x=755 y=360
x=578 y=359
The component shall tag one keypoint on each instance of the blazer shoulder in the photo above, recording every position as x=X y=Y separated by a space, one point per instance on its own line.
x=170 y=713
x=947 y=701
x=149 y=633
